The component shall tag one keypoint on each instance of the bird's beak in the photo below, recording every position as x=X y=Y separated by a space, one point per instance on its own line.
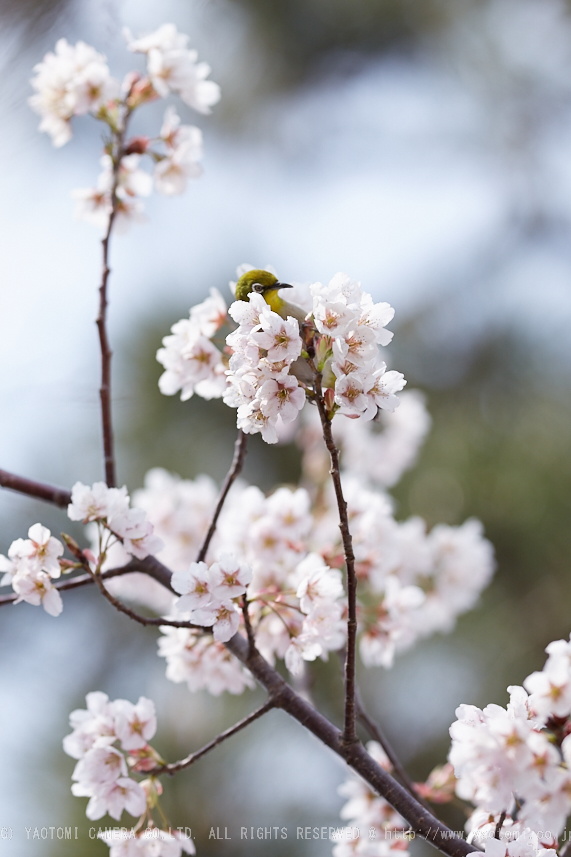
x=283 y=286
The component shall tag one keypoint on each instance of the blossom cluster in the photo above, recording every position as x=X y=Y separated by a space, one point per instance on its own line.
x=192 y=362
x=353 y=326
x=76 y=80
x=110 y=509
x=269 y=369
x=208 y=594
x=172 y=67
x=296 y=601
x=519 y=757
x=201 y=662
x=411 y=583
x=30 y=567
x=383 y=830
x=260 y=380
x=73 y=81
x=110 y=741
x=102 y=772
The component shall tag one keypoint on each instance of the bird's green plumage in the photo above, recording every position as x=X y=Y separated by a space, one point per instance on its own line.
x=247 y=280
x=271 y=287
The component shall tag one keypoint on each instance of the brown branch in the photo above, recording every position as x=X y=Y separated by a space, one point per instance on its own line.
x=193 y=757
x=106 y=354
x=80 y=580
x=349 y=731
x=231 y=476
x=500 y=824
x=115 y=602
x=421 y=820
x=247 y=624
x=40 y=490
x=377 y=734
x=117 y=146
x=132 y=614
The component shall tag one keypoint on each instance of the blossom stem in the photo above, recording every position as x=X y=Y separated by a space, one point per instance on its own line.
x=81 y=580
x=247 y=623
x=500 y=824
x=194 y=757
x=106 y=353
x=231 y=476
x=115 y=602
x=349 y=731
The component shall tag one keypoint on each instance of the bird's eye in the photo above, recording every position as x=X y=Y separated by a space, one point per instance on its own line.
x=257 y=287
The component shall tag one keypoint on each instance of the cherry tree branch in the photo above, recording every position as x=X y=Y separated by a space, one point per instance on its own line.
x=115 y=602
x=193 y=757
x=80 y=580
x=231 y=476
x=106 y=353
x=349 y=731
x=137 y=617
x=39 y=490
x=247 y=624
x=500 y=824
x=421 y=820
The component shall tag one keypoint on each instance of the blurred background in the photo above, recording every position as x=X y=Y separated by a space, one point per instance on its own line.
x=424 y=149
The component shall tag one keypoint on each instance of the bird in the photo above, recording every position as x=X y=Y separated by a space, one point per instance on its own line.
x=266 y=284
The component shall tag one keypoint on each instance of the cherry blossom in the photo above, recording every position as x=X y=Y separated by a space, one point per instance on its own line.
x=173 y=68
x=110 y=508
x=72 y=81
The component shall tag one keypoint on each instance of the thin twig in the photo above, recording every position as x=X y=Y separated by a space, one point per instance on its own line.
x=80 y=580
x=377 y=734
x=349 y=731
x=193 y=757
x=106 y=353
x=500 y=824
x=248 y=624
x=132 y=614
x=231 y=476
x=40 y=490
x=122 y=608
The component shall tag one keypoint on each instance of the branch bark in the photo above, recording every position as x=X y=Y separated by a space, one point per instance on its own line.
x=39 y=490
x=349 y=731
x=106 y=353
x=231 y=476
x=421 y=820
x=80 y=580
x=193 y=757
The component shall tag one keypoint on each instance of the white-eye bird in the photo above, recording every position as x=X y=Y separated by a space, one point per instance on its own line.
x=267 y=285
x=263 y=283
